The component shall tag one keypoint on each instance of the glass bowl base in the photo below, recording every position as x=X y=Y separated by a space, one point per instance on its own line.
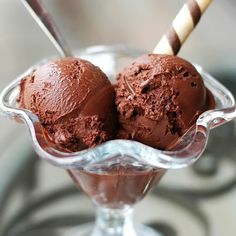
x=87 y=230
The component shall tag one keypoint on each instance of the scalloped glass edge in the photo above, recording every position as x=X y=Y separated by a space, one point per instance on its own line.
x=187 y=151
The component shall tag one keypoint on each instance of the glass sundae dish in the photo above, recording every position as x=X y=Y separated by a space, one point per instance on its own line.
x=119 y=173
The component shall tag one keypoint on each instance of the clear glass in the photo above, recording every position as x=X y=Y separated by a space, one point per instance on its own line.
x=119 y=173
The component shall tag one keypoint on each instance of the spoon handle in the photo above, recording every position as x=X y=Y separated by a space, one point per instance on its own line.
x=46 y=23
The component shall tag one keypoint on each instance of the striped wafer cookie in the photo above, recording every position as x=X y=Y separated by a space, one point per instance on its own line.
x=181 y=27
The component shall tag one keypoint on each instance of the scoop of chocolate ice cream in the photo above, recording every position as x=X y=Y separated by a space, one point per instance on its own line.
x=158 y=98
x=73 y=100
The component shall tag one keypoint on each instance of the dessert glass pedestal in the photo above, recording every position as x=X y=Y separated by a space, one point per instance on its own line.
x=119 y=173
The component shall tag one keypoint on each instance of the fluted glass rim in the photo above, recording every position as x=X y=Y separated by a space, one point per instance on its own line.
x=188 y=150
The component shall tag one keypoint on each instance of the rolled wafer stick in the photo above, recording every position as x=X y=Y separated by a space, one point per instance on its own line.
x=181 y=27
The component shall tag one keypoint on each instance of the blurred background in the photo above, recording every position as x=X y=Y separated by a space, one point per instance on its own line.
x=204 y=193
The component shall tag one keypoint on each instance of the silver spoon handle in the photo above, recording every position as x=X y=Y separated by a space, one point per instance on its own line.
x=46 y=23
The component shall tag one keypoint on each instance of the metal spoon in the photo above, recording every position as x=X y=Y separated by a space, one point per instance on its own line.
x=46 y=23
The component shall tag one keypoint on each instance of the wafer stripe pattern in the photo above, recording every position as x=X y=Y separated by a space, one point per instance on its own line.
x=181 y=27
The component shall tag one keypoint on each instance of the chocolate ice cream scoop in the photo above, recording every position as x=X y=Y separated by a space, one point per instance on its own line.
x=73 y=100
x=158 y=98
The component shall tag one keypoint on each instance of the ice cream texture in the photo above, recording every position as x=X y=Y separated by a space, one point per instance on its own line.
x=158 y=98
x=74 y=101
